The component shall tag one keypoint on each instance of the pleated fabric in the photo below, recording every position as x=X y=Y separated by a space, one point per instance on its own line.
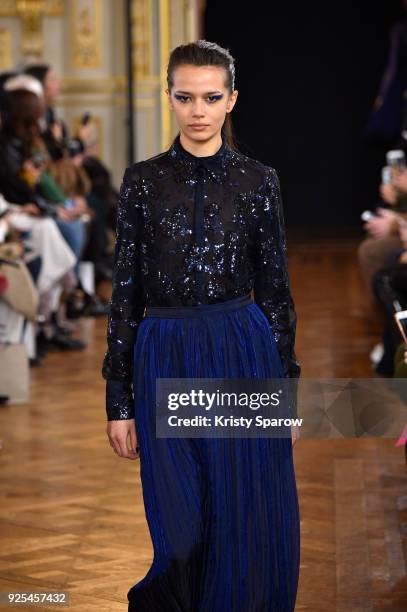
x=222 y=513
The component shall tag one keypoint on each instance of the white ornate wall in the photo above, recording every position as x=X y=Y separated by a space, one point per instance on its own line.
x=85 y=41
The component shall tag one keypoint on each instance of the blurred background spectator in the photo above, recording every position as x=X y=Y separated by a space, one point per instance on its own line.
x=57 y=203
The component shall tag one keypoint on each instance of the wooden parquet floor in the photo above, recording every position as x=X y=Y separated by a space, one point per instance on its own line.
x=71 y=512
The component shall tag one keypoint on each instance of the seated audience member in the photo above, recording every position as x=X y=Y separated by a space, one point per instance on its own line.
x=23 y=169
x=384 y=239
x=390 y=287
x=103 y=199
x=382 y=258
x=55 y=132
x=69 y=155
x=40 y=236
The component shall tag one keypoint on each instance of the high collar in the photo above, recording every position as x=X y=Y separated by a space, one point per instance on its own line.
x=215 y=164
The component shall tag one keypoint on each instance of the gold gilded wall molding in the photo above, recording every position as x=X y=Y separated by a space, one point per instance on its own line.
x=190 y=20
x=52 y=8
x=86 y=32
x=149 y=118
x=118 y=84
x=90 y=103
x=165 y=48
x=94 y=85
x=5 y=49
x=31 y=13
x=142 y=35
x=8 y=8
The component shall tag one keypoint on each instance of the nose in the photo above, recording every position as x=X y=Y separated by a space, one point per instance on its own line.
x=197 y=109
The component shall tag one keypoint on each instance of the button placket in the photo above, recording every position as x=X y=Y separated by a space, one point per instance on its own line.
x=199 y=229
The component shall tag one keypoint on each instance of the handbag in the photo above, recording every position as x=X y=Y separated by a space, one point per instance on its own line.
x=18 y=289
x=14 y=373
x=14 y=370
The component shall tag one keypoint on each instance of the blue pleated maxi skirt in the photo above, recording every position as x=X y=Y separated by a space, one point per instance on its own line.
x=222 y=512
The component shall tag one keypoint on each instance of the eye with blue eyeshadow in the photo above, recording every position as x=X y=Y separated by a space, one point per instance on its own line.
x=181 y=98
x=213 y=98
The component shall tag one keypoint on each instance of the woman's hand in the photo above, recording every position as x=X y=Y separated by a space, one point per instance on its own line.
x=295 y=434
x=382 y=225
x=81 y=206
x=65 y=214
x=30 y=209
x=123 y=438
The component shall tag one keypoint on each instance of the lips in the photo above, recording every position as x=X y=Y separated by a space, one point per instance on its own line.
x=198 y=125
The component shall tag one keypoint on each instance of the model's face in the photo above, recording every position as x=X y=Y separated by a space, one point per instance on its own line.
x=200 y=100
x=52 y=85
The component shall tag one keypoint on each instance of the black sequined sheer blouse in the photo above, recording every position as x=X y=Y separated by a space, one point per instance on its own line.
x=195 y=230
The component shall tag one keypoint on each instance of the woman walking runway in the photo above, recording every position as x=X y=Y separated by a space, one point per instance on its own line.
x=201 y=290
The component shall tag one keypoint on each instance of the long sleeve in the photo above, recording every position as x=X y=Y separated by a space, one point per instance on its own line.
x=127 y=301
x=271 y=288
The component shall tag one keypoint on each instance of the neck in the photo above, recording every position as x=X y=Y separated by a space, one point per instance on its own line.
x=204 y=148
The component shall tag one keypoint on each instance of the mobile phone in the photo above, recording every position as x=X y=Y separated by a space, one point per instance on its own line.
x=38 y=160
x=69 y=204
x=396 y=159
x=367 y=215
x=386 y=175
x=401 y=320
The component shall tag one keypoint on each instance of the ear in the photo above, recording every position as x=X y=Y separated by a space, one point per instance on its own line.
x=232 y=100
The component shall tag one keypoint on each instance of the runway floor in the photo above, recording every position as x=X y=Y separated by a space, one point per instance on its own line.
x=71 y=512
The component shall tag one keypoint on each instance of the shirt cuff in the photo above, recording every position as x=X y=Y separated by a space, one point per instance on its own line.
x=119 y=400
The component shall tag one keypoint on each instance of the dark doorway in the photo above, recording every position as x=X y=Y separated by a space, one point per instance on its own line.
x=308 y=74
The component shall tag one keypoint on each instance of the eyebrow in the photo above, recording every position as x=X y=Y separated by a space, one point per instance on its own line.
x=188 y=93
